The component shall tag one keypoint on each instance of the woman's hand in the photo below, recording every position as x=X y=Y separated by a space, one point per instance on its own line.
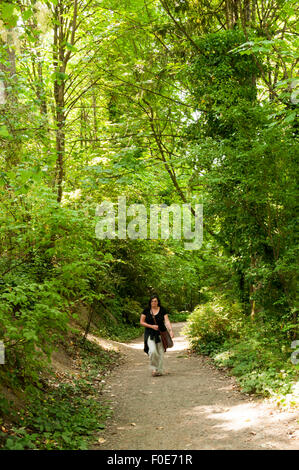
x=147 y=325
x=168 y=326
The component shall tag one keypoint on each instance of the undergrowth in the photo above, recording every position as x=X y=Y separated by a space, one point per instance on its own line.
x=260 y=365
x=70 y=410
x=176 y=317
x=258 y=353
x=120 y=332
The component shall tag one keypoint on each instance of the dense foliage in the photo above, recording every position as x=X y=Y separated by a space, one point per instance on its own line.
x=163 y=102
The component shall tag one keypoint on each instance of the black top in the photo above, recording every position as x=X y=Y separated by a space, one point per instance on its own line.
x=149 y=332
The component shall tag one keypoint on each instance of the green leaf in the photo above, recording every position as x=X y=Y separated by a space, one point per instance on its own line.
x=27 y=14
x=290 y=117
x=4 y=132
x=70 y=47
x=7 y=15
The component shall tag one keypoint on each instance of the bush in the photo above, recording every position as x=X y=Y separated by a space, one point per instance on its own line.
x=131 y=310
x=69 y=412
x=120 y=332
x=209 y=325
x=32 y=321
x=179 y=316
x=260 y=361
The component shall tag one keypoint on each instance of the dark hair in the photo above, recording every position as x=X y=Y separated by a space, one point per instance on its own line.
x=154 y=296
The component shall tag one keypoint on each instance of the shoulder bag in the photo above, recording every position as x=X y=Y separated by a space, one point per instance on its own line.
x=165 y=336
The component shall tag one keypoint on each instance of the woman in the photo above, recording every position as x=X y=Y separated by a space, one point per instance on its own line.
x=152 y=340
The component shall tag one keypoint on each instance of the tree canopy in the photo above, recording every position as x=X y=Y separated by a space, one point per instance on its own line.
x=163 y=102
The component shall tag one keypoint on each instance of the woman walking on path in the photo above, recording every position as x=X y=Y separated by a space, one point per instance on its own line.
x=152 y=340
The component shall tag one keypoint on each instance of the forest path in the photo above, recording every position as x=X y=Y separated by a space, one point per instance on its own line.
x=195 y=407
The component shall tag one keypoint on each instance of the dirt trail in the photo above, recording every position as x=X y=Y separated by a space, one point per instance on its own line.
x=195 y=407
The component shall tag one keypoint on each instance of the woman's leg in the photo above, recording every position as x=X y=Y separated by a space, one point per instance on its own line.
x=160 y=349
x=156 y=355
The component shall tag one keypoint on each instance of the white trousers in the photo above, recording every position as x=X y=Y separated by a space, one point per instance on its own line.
x=156 y=355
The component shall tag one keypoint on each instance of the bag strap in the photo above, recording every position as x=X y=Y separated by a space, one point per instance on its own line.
x=154 y=318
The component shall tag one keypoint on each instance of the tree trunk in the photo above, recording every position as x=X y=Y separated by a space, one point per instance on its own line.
x=94 y=106
x=252 y=302
x=9 y=99
x=60 y=150
x=10 y=69
x=61 y=58
x=253 y=288
x=236 y=10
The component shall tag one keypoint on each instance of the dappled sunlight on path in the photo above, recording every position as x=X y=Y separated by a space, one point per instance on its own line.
x=209 y=410
x=180 y=344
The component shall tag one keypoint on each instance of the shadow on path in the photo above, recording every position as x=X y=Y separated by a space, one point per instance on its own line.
x=195 y=407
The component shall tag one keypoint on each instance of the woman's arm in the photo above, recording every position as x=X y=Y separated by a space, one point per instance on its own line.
x=168 y=325
x=147 y=325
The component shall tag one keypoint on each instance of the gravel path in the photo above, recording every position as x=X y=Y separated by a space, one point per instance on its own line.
x=195 y=407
